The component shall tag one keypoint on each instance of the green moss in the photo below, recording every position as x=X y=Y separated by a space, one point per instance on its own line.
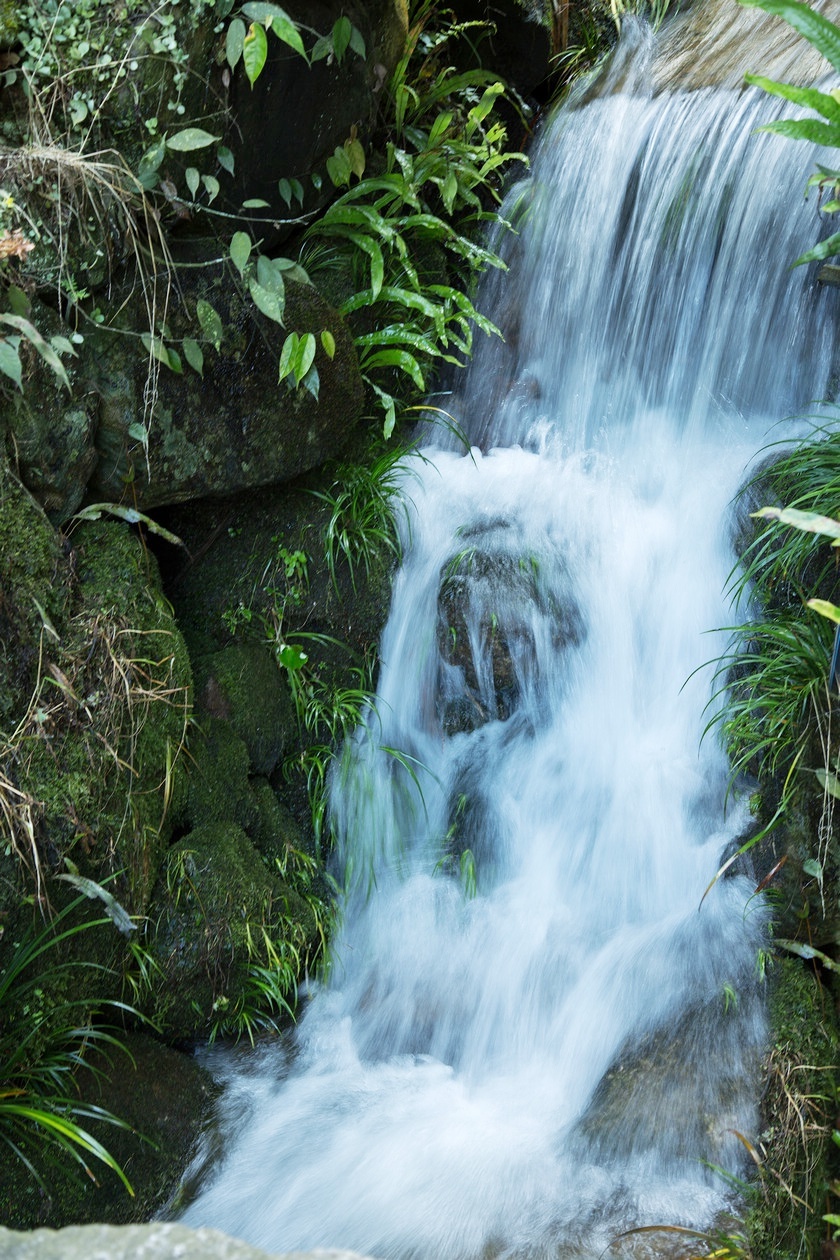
x=218 y=783
x=798 y=1114
x=219 y=913
x=243 y=684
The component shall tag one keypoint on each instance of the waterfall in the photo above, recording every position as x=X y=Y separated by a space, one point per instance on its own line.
x=538 y=1033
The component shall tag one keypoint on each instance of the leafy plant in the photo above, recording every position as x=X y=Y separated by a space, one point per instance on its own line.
x=44 y=1042
x=824 y=129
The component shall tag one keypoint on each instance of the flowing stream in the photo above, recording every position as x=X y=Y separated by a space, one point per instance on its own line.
x=535 y=1036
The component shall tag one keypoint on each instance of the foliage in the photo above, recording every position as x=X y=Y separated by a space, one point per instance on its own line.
x=442 y=167
x=824 y=129
x=44 y=1041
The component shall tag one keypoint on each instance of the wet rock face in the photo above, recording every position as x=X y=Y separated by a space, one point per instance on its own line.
x=233 y=427
x=490 y=604
x=157 y=1241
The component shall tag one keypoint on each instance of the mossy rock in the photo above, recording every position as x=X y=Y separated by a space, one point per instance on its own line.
x=215 y=910
x=275 y=832
x=232 y=427
x=101 y=750
x=164 y=1097
x=33 y=572
x=47 y=432
x=219 y=790
x=798 y=1115
x=243 y=685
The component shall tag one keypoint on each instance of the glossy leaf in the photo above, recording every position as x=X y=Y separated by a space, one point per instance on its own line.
x=10 y=364
x=194 y=355
x=328 y=342
x=240 y=250
x=341 y=33
x=234 y=41
x=270 y=303
x=254 y=52
x=189 y=139
x=271 y=15
x=211 y=324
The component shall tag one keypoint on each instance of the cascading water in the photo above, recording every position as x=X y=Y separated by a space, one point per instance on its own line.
x=535 y=1036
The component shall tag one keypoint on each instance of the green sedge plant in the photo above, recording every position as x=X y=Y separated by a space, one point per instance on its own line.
x=45 y=1042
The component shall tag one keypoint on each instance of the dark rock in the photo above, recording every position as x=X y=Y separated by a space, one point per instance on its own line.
x=243 y=685
x=233 y=428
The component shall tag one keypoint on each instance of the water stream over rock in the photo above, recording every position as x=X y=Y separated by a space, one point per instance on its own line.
x=535 y=1036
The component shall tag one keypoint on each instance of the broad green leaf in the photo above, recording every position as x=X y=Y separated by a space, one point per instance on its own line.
x=19 y=303
x=234 y=41
x=139 y=432
x=813 y=868
x=822 y=102
x=825 y=249
x=62 y=345
x=328 y=342
x=194 y=355
x=189 y=139
x=10 y=364
x=212 y=185
x=357 y=43
x=322 y=48
x=271 y=304
x=225 y=158
x=270 y=276
x=255 y=203
x=240 y=250
x=822 y=34
x=271 y=15
x=291 y=657
x=150 y=163
x=312 y=382
x=399 y=359
x=173 y=360
x=810 y=129
x=297 y=190
x=808 y=522
x=356 y=154
x=193 y=179
x=825 y=609
x=339 y=168
x=254 y=51
x=284 y=188
x=341 y=33
x=439 y=128
x=28 y=330
x=305 y=356
x=211 y=324
x=449 y=191
x=287 y=354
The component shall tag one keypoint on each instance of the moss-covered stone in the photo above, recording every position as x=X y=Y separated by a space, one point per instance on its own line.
x=218 y=912
x=218 y=780
x=799 y=1110
x=243 y=685
x=275 y=831
x=233 y=426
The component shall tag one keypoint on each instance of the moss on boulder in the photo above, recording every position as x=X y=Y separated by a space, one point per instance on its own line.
x=243 y=685
x=220 y=913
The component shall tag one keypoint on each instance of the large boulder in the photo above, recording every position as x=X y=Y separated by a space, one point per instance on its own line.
x=157 y=1241
x=232 y=427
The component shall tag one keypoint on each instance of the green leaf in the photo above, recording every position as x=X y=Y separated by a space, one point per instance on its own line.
x=312 y=382
x=189 y=139
x=234 y=41
x=271 y=15
x=356 y=154
x=819 y=32
x=287 y=354
x=115 y=912
x=829 y=782
x=339 y=168
x=10 y=364
x=825 y=249
x=808 y=522
x=270 y=275
x=19 y=303
x=240 y=250
x=211 y=324
x=813 y=868
x=810 y=129
x=254 y=203
x=825 y=609
x=811 y=98
x=341 y=33
x=225 y=158
x=254 y=51
x=271 y=304
x=150 y=163
x=62 y=346
x=357 y=43
x=212 y=185
x=328 y=342
x=305 y=357
x=449 y=191
x=193 y=179
x=399 y=359
x=194 y=355
x=44 y=349
x=291 y=657
x=284 y=188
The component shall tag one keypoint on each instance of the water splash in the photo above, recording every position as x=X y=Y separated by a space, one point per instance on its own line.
x=530 y=1070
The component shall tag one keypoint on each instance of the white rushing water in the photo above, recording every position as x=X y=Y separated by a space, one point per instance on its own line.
x=530 y=1070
